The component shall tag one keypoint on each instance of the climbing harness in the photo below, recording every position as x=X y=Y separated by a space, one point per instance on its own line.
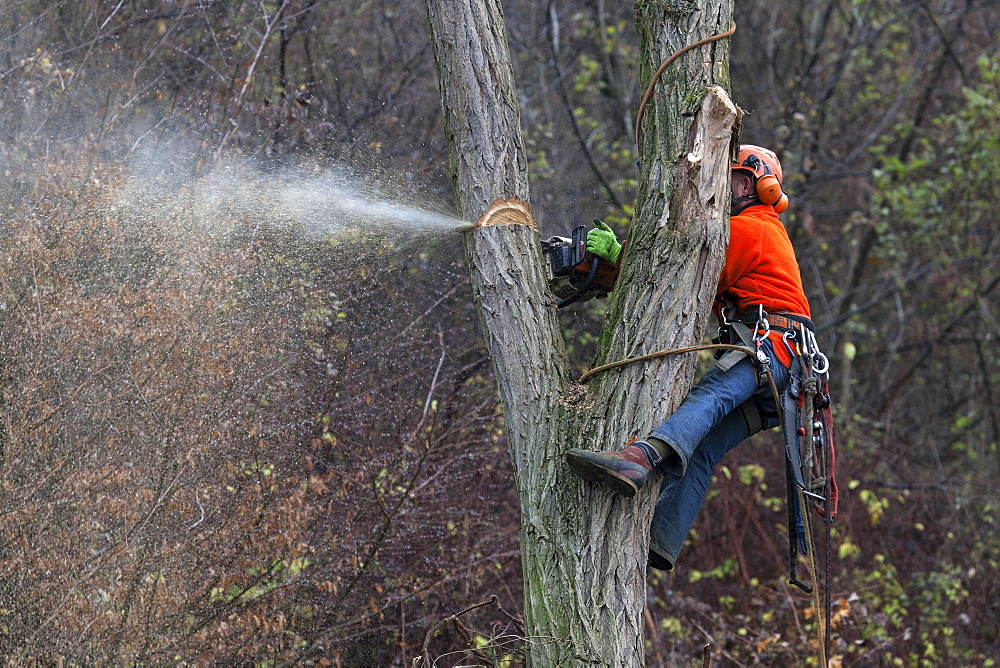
x=810 y=455
x=809 y=452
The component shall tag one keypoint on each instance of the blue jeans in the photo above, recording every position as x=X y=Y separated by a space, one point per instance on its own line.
x=722 y=410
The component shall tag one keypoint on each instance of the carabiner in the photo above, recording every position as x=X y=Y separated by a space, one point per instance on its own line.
x=819 y=362
x=762 y=324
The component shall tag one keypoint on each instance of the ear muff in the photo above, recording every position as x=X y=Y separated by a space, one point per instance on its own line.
x=781 y=204
x=767 y=186
x=768 y=189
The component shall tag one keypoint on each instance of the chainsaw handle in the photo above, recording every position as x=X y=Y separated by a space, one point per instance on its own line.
x=582 y=290
x=579 y=244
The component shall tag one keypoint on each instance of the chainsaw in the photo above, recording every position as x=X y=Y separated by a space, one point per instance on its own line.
x=576 y=275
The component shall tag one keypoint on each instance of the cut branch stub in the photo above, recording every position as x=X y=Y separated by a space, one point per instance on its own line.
x=512 y=211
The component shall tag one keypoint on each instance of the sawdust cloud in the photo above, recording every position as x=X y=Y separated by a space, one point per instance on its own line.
x=310 y=202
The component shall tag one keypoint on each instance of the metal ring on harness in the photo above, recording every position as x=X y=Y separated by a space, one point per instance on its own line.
x=820 y=362
x=763 y=328
x=786 y=338
x=820 y=368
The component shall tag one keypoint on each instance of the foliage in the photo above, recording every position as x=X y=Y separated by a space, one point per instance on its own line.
x=192 y=466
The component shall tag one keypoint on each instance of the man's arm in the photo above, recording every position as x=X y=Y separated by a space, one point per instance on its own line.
x=742 y=254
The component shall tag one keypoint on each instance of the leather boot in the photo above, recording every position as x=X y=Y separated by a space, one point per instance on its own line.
x=622 y=471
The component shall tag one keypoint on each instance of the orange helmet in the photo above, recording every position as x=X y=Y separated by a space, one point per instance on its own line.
x=764 y=166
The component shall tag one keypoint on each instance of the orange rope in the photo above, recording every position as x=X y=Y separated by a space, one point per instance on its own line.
x=663 y=353
x=666 y=63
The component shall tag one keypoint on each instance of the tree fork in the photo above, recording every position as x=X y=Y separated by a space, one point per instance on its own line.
x=584 y=550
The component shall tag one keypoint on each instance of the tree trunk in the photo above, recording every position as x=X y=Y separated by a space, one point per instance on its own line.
x=584 y=550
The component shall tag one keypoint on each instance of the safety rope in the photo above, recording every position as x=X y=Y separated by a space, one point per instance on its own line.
x=664 y=66
x=822 y=615
x=828 y=550
x=663 y=353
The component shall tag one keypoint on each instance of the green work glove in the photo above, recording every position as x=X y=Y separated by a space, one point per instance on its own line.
x=601 y=241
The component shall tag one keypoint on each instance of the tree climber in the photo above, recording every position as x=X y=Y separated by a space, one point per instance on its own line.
x=759 y=299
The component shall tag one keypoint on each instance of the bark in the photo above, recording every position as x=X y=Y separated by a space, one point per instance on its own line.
x=584 y=550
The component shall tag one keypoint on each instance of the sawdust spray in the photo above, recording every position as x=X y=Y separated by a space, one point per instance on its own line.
x=307 y=202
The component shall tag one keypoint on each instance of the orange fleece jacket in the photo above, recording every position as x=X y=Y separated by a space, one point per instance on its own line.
x=761 y=269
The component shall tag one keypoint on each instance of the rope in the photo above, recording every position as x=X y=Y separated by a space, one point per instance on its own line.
x=822 y=615
x=828 y=553
x=666 y=63
x=664 y=353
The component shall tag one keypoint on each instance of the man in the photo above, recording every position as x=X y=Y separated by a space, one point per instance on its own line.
x=760 y=279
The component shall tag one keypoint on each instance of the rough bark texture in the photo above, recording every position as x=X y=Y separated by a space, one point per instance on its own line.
x=583 y=550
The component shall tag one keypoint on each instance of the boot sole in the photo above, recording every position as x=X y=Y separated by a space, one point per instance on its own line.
x=590 y=470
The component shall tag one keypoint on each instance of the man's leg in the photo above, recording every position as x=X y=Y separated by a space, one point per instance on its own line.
x=685 y=482
x=670 y=447
x=681 y=496
x=717 y=394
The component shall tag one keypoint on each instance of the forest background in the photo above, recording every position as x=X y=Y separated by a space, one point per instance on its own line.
x=239 y=425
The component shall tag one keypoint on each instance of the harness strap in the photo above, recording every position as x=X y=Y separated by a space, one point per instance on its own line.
x=741 y=333
x=780 y=319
